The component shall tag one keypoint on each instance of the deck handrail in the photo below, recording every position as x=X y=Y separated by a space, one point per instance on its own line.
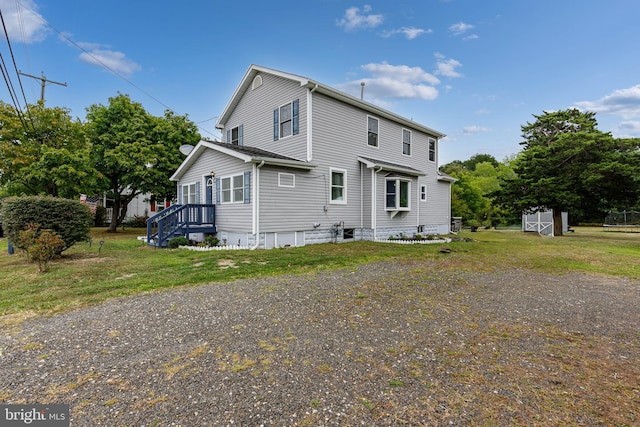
x=166 y=223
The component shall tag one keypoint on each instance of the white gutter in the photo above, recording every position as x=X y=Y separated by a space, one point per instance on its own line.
x=256 y=203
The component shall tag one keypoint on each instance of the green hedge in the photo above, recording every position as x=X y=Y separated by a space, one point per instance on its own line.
x=70 y=219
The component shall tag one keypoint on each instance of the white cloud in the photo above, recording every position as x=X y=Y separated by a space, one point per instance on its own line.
x=472 y=130
x=629 y=129
x=447 y=67
x=355 y=20
x=401 y=72
x=102 y=56
x=394 y=82
x=622 y=102
x=460 y=28
x=115 y=61
x=471 y=37
x=409 y=32
x=22 y=21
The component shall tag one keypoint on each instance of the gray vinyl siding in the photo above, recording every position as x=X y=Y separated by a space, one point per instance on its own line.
x=436 y=210
x=340 y=149
x=338 y=136
x=337 y=130
x=287 y=208
x=237 y=216
x=255 y=113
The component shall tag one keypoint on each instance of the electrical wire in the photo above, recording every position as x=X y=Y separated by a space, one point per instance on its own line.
x=114 y=72
x=10 y=87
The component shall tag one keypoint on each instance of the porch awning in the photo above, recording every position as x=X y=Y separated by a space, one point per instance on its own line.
x=381 y=165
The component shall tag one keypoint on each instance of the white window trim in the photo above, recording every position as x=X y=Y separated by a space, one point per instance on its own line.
x=344 y=187
x=291 y=176
x=435 y=149
x=410 y=142
x=280 y=121
x=186 y=193
x=237 y=128
x=378 y=139
x=231 y=190
x=397 y=207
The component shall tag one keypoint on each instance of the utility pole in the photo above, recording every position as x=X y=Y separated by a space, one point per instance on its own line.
x=44 y=82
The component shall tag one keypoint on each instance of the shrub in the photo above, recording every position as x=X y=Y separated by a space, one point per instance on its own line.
x=100 y=217
x=211 y=241
x=70 y=219
x=138 y=221
x=178 y=241
x=40 y=246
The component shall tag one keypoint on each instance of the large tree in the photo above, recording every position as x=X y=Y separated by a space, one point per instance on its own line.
x=136 y=152
x=567 y=164
x=43 y=151
x=477 y=178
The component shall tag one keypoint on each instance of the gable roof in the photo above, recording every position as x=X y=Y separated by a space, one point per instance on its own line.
x=246 y=154
x=320 y=88
x=446 y=178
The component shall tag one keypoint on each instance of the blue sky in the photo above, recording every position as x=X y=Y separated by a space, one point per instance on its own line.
x=474 y=70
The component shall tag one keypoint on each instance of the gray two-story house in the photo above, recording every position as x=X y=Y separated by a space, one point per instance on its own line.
x=301 y=162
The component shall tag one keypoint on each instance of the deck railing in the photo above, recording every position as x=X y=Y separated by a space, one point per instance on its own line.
x=179 y=220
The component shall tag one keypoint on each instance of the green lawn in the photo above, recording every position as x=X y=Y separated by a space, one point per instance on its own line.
x=88 y=274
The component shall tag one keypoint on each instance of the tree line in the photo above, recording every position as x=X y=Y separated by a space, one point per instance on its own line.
x=119 y=150
x=566 y=164
x=122 y=151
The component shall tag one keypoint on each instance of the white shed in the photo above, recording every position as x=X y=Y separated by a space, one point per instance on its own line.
x=542 y=222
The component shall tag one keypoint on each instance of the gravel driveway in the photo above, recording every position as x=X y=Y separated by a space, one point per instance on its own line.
x=384 y=344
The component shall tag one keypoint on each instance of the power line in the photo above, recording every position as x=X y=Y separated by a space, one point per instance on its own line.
x=7 y=79
x=113 y=71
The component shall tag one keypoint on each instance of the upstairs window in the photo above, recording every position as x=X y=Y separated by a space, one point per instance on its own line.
x=235 y=135
x=338 y=186
x=406 y=142
x=372 y=130
x=397 y=194
x=286 y=120
x=432 y=149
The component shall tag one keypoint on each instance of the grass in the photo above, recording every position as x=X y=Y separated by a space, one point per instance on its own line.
x=89 y=274
x=476 y=366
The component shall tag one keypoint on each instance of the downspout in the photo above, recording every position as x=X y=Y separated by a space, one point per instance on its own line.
x=310 y=123
x=374 y=200
x=418 y=202
x=362 y=168
x=256 y=203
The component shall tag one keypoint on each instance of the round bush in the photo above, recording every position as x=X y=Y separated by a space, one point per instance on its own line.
x=70 y=219
x=178 y=241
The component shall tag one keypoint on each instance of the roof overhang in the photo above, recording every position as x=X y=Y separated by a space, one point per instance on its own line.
x=318 y=87
x=247 y=158
x=379 y=165
x=445 y=178
x=370 y=108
